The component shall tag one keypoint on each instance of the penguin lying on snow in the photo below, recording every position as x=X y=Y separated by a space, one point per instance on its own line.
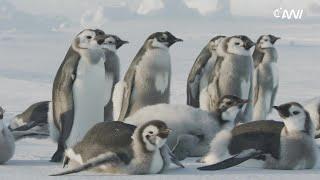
x=266 y=80
x=193 y=128
x=33 y=122
x=119 y=148
x=281 y=145
x=201 y=70
x=7 y=144
x=147 y=81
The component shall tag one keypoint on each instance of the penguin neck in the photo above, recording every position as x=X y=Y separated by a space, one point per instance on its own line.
x=92 y=56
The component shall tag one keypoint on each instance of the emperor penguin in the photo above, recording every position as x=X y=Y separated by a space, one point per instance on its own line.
x=33 y=122
x=201 y=70
x=232 y=75
x=119 y=148
x=192 y=128
x=80 y=90
x=112 y=67
x=148 y=78
x=313 y=107
x=7 y=144
x=266 y=76
x=280 y=145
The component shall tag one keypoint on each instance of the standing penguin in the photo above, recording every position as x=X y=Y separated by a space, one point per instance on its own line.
x=80 y=90
x=119 y=148
x=232 y=75
x=7 y=145
x=148 y=78
x=266 y=80
x=112 y=66
x=201 y=70
x=281 y=145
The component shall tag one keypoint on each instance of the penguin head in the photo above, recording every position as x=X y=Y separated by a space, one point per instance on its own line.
x=214 y=42
x=2 y=111
x=230 y=106
x=266 y=41
x=239 y=45
x=154 y=134
x=295 y=117
x=89 y=39
x=113 y=42
x=162 y=40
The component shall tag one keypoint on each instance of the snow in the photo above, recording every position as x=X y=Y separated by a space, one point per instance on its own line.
x=29 y=62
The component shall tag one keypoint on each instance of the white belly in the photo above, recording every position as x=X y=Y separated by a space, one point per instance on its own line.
x=89 y=95
x=161 y=82
x=245 y=88
x=157 y=163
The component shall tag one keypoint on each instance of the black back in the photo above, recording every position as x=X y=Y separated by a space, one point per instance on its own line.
x=261 y=135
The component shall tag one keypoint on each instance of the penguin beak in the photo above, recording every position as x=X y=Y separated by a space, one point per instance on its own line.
x=248 y=44
x=164 y=133
x=120 y=43
x=100 y=38
x=178 y=40
x=242 y=102
x=283 y=111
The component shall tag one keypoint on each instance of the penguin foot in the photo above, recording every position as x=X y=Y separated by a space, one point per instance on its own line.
x=57 y=157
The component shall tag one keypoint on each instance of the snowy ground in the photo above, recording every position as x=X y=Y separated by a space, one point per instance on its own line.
x=29 y=62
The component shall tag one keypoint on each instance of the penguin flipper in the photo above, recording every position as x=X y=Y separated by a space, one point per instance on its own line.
x=192 y=84
x=233 y=161
x=273 y=98
x=126 y=95
x=257 y=57
x=106 y=158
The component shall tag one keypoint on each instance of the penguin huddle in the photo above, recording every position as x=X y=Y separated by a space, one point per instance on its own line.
x=128 y=126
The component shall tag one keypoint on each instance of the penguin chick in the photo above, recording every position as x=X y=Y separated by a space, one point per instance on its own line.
x=281 y=145
x=112 y=69
x=193 y=128
x=7 y=144
x=33 y=122
x=313 y=107
x=119 y=148
x=200 y=71
x=80 y=90
x=147 y=81
x=266 y=76
x=232 y=75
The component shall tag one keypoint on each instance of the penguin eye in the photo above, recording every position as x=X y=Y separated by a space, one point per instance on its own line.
x=88 y=37
x=266 y=40
x=296 y=112
x=150 y=132
x=229 y=103
x=162 y=39
x=237 y=43
x=110 y=42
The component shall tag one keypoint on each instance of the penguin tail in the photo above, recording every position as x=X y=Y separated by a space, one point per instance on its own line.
x=233 y=161
x=105 y=158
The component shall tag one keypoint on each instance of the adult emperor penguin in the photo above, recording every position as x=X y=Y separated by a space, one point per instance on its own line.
x=33 y=122
x=192 y=128
x=266 y=78
x=148 y=78
x=80 y=90
x=119 y=148
x=281 y=145
x=201 y=70
x=7 y=144
x=232 y=75
x=112 y=66
x=313 y=107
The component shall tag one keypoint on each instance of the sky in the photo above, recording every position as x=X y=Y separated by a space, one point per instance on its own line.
x=74 y=9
